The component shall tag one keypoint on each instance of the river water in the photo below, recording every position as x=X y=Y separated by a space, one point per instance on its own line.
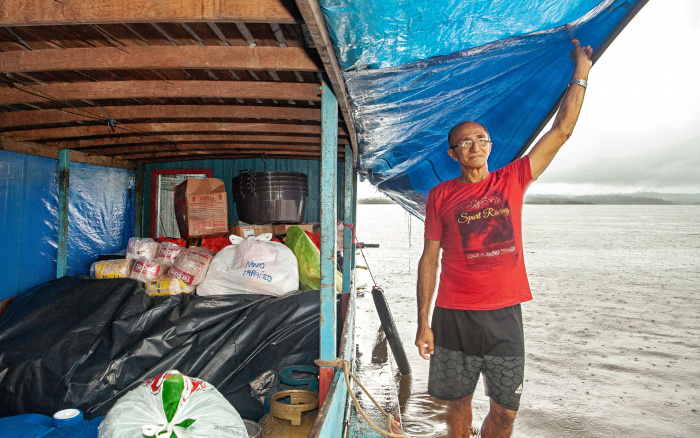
x=612 y=336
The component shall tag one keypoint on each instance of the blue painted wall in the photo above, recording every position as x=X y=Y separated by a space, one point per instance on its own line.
x=227 y=169
x=101 y=217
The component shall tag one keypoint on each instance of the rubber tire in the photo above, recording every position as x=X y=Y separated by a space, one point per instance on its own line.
x=392 y=335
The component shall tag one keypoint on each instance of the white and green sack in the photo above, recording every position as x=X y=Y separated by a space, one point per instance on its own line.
x=173 y=406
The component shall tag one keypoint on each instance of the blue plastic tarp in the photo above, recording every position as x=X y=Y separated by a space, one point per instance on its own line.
x=100 y=218
x=414 y=69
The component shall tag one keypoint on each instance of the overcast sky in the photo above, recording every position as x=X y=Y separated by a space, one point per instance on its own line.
x=643 y=95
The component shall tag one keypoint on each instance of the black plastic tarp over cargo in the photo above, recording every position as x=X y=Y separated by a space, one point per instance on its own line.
x=83 y=343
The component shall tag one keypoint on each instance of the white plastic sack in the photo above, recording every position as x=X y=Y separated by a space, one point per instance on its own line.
x=173 y=404
x=141 y=247
x=168 y=252
x=254 y=266
x=191 y=265
x=147 y=270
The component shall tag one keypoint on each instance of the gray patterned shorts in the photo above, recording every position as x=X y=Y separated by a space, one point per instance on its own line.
x=473 y=342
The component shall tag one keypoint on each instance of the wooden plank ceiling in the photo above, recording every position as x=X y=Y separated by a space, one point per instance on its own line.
x=165 y=81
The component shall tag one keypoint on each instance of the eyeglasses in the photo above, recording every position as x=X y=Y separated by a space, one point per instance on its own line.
x=467 y=144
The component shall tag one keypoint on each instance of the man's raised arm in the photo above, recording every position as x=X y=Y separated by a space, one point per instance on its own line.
x=547 y=147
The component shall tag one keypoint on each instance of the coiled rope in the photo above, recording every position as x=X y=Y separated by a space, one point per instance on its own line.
x=344 y=365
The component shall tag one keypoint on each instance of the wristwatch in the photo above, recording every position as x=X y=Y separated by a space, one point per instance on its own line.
x=578 y=81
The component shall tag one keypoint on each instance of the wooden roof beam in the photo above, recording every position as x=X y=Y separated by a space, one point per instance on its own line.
x=136 y=112
x=203 y=138
x=205 y=155
x=28 y=148
x=161 y=58
x=21 y=94
x=155 y=129
x=313 y=16
x=135 y=151
x=51 y=12
x=214 y=148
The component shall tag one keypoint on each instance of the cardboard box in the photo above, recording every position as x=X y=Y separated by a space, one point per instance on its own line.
x=281 y=229
x=201 y=208
x=248 y=230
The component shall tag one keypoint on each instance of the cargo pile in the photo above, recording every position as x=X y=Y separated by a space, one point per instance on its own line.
x=212 y=258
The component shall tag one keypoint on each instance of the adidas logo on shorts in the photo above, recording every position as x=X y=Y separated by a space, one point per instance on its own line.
x=520 y=389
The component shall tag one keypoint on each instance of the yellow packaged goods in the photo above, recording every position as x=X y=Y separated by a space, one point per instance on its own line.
x=141 y=247
x=166 y=286
x=167 y=253
x=111 y=269
x=200 y=207
x=146 y=270
x=191 y=265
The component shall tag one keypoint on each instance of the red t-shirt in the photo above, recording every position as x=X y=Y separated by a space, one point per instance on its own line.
x=479 y=229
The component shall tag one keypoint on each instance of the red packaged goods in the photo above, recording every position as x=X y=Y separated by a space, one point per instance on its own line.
x=146 y=270
x=191 y=265
x=214 y=243
x=167 y=253
x=201 y=208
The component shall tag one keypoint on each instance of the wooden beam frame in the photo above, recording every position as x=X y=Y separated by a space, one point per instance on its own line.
x=21 y=94
x=50 y=12
x=161 y=58
x=228 y=155
x=28 y=148
x=136 y=112
x=203 y=138
x=135 y=154
x=155 y=129
x=313 y=16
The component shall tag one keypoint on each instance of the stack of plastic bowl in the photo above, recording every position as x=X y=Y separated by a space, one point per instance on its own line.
x=270 y=197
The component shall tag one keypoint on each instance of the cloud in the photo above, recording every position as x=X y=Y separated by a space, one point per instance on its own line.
x=671 y=168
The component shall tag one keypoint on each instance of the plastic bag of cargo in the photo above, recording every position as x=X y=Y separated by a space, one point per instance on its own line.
x=147 y=270
x=172 y=405
x=309 y=259
x=141 y=247
x=191 y=265
x=166 y=285
x=168 y=252
x=120 y=268
x=254 y=265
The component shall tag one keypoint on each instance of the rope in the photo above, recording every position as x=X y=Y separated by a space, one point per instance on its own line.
x=344 y=365
x=362 y=252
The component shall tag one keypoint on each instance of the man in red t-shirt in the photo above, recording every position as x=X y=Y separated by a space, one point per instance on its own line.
x=476 y=220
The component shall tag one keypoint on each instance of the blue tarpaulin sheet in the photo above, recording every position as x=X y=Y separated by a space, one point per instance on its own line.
x=100 y=218
x=415 y=68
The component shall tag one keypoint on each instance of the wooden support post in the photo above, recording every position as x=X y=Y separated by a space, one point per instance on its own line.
x=138 y=201
x=348 y=244
x=329 y=165
x=354 y=211
x=63 y=208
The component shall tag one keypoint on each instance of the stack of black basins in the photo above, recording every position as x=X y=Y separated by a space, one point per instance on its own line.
x=270 y=197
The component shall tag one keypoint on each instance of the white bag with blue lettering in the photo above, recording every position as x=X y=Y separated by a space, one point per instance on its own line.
x=252 y=266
